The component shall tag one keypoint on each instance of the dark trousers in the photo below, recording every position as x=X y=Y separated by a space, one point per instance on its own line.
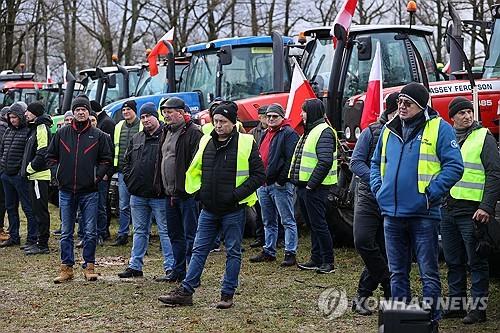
x=39 y=196
x=369 y=242
x=2 y=206
x=313 y=206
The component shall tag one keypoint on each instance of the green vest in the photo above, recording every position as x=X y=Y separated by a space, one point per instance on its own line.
x=429 y=165
x=42 y=138
x=309 y=160
x=471 y=185
x=193 y=174
x=116 y=138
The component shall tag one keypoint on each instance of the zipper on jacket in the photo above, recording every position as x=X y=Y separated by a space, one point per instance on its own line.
x=76 y=160
x=8 y=151
x=397 y=172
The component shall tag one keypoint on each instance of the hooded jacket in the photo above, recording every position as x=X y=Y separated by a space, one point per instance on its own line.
x=13 y=144
x=397 y=194
x=36 y=148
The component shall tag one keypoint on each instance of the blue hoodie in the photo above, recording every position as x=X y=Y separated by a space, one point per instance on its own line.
x=397 y=195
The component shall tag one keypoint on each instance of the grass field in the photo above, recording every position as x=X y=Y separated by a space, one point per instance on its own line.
x=269 y=299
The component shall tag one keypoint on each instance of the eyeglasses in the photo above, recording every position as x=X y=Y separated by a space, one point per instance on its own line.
x=272 y=116
x=407 y=103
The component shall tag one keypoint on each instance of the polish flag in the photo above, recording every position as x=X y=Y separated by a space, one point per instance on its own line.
x=300 y=90
x=374 y=98
x=447 y=68
x=49 y=76
x=344 y=17
x=65 y=71
x=159 y=49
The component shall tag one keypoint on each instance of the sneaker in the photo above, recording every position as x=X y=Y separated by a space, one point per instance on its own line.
x=290 y=260
x=359 y=305
x=120 y=240
x=79 y=245
x=170 y=276
x=130 y=273
x=8 y=242
x=226 y=301
x=474 y=316
x=308 y=266
x=257 y=243
x=27 y=245
x=263 y=257
x=37 y=249
x=178 y=296
x=325 y=269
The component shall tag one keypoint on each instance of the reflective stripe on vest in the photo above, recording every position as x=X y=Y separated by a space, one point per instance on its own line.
x=309 y=160
x=471 y=185
x=429 y=165
x=193 y=174
x=42 y=141
x=116 y=138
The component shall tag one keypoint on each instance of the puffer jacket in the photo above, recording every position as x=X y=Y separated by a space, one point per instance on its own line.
x=397 y=194
x=36 y=148
x=12 y=147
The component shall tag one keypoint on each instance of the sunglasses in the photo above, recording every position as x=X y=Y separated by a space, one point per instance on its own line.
x=406 y=102
x=272 y=116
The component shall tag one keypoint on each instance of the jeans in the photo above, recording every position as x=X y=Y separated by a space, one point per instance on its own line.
x=69 y=203
x=209 y=224
x=124 y=203
x=39 y=196
x=457 y=234
x=182 y=220
x=102 y=214
x=420 y=234
x=142 y=209
x=277 y=202
x=313 y=206
x=16 y=189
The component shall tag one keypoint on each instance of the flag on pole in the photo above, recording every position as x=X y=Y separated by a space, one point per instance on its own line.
x=300 y=90
x=159 y=49
x=373 y=106
x=49 y=76
x=344 y=17
x=65 y=71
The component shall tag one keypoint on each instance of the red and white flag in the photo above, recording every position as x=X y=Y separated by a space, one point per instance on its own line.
x=374 y=99
x=159 y=49
x=344 y=17
x=300 y=90
x=49 y=76
x=65 y=71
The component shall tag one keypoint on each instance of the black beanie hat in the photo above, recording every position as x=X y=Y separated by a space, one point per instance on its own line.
x=228 y=110
x=149 y=108
x=81 y=101
x=391 y=103
x=131 y=104
x=417 y=93
x=95 y=106
x=458 y=104
x=36 y=108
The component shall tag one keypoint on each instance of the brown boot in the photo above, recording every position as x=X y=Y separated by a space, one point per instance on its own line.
x=89 y=273
x=4 y=235
x=66 y=274
x=226 y=301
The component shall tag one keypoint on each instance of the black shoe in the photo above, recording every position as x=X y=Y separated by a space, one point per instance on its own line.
x=9 y=242
x=120 y=240
x=170 y=276
x=130 y=273
x=178 y=296
x=27 y=245
x=325 y=269
x=257 y=243
x=359 y=305
x=37 y=249
x=290 y=260
x=262 y=257
x=447 y=314
x=308 y=266
x=475 y=316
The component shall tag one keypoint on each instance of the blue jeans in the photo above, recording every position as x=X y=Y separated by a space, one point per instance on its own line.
x=457 y=234
x=420 y=234
x=69 y=203
x=124 y=203
x=209 y=224
x=16 y=189
x=274 y=200
x=182 y=220
x=102 y=214
x=142 y=209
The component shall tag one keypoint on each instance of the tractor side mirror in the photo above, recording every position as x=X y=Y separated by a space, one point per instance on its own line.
x=112 y=81
x=225 y=55
x=364 y=45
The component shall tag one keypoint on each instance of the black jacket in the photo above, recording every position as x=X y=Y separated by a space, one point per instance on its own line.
x=33 y=153
x=185 y=149
x=491 y=162
x=139 y=164
x=12 y=147
x=83 y=156
x=218 y=192
x=105 y=123
x=280 y=154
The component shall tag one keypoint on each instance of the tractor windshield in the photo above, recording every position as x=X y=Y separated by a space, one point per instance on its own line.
x=318 y=65
x=492 y=63
x=152 y=85
x=113 y=93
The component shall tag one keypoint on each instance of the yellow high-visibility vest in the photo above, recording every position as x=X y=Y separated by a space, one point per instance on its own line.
x=429 y=165
x=116 y=137
x=42 y=138
x=193 y=174
x=471 y=185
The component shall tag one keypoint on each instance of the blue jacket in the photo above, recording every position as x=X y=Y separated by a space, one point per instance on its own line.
x=397 y=195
